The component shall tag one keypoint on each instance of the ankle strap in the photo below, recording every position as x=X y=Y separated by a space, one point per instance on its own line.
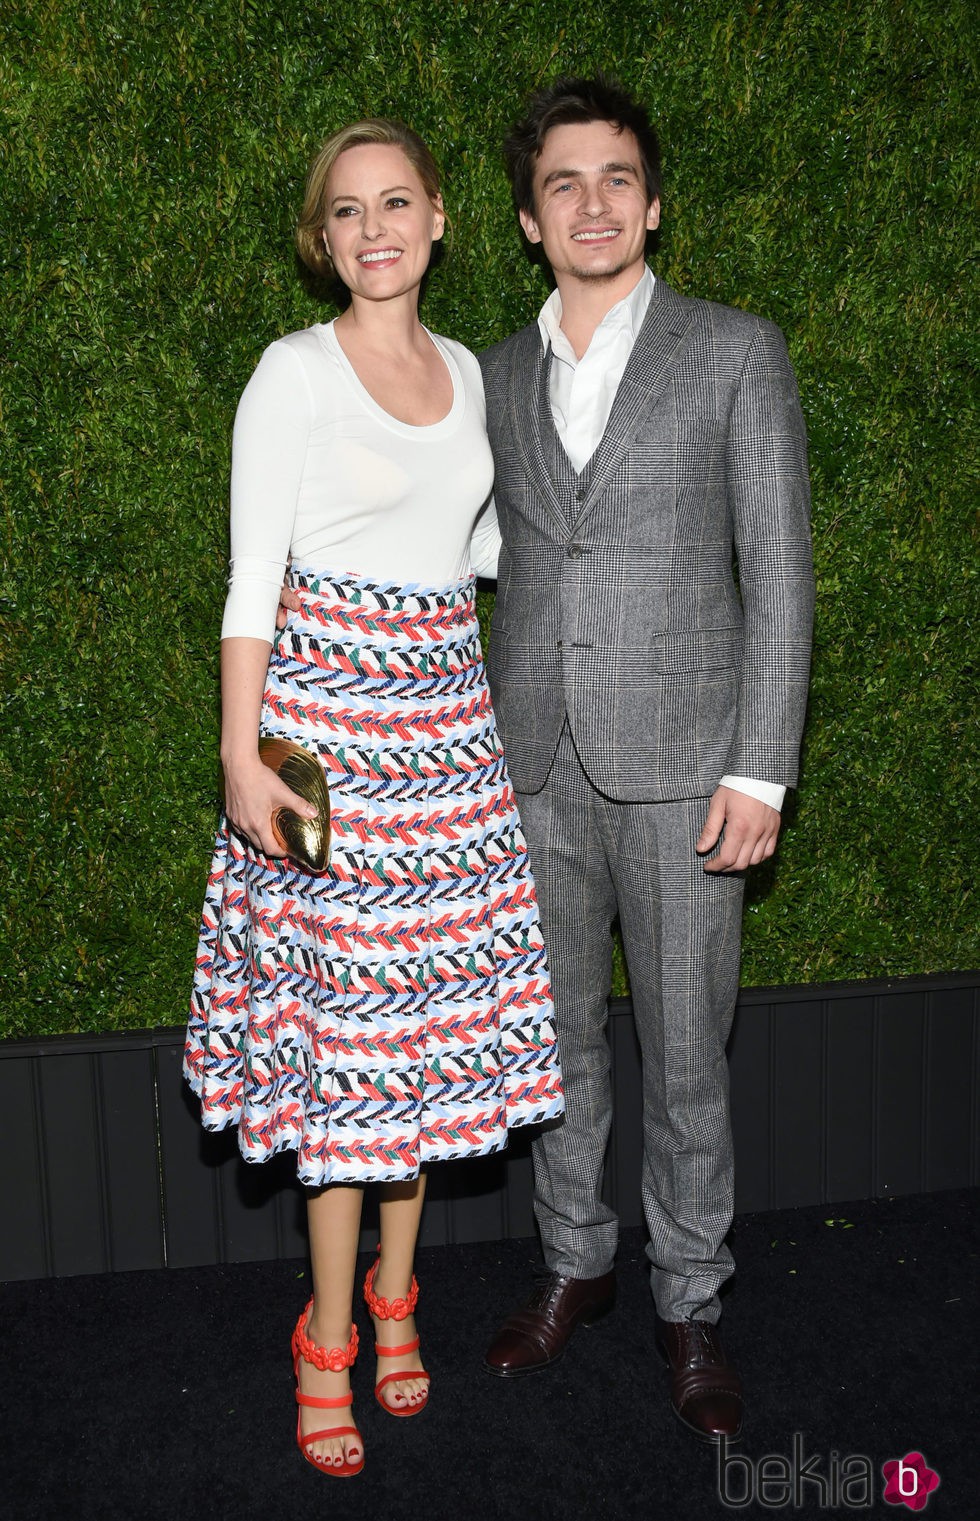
x=408 y=1346
x=328 y=1360
x=389 y=1309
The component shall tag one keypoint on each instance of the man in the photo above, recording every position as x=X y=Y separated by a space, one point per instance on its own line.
x=650 y=710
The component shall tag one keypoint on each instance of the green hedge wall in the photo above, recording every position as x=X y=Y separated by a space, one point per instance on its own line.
x=152 y=155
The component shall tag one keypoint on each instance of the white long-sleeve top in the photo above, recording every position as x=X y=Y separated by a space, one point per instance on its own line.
x=582 y=393
x=324 y=476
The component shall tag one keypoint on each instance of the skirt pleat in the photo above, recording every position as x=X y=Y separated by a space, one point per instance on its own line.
x=395 y=1009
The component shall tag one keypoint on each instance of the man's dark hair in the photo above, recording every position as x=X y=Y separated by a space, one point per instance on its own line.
x=571 y=99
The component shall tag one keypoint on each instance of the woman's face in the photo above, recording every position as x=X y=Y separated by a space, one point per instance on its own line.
x=379 y=223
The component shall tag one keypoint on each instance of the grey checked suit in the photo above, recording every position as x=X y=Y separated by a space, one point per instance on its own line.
x=630 y=671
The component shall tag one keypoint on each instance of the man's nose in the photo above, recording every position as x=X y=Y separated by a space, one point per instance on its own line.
x=595 y=201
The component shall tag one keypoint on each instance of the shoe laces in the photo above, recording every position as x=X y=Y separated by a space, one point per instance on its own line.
x=546 y=1284
x=703 y=1332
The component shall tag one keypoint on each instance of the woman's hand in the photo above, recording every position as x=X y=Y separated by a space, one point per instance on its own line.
x=253 y=793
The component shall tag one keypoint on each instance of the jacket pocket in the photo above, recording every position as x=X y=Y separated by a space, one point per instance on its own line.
x=698 y=649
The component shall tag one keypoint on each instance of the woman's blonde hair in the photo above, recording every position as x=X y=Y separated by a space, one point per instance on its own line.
x=375 y=129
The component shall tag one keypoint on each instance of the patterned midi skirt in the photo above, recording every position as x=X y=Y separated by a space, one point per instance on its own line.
x=394 y=1009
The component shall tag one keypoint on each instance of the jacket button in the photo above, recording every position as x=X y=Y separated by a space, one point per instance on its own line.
x=574 y=550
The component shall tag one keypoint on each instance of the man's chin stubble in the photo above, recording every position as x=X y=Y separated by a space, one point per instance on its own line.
x=597 y=276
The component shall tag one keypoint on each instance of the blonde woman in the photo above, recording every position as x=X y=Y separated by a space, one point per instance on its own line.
x=393 y=1009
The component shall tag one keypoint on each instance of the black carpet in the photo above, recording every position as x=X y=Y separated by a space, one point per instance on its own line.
x=169 y=1394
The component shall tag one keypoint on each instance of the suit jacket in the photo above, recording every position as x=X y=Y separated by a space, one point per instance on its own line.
x=617 y=601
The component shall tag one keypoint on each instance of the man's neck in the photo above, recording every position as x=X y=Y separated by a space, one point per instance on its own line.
x=584 y=303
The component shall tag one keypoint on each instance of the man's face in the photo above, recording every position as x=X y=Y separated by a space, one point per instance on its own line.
x=591 y=213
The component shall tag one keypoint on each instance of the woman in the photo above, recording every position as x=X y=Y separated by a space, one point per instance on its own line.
x=393 y=1009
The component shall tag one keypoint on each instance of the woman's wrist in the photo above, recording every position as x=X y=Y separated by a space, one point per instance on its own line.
x=239 y=759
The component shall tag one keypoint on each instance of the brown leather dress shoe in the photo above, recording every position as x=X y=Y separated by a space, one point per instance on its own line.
x=535 y=1336
x=705 y=1389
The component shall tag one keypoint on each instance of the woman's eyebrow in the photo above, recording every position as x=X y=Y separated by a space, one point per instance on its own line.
x=390 y=191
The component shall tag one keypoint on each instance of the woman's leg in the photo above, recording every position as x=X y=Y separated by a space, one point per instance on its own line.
x=400 y=1210
x=334 y=1216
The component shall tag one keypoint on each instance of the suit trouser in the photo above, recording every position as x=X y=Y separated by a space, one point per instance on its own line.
x=593 y=857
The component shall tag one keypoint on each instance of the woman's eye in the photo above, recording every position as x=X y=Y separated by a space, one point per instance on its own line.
x=396 y=200
x=345 y=211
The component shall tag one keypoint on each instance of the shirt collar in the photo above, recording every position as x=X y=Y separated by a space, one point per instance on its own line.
x=626 y=316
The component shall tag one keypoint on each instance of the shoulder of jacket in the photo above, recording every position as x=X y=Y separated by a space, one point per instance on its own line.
x=503 y=354
x=717 y=317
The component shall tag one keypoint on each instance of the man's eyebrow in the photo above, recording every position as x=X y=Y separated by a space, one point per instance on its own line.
x=574 y=174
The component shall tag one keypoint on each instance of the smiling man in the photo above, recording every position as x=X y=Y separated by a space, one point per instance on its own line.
x=651 y=709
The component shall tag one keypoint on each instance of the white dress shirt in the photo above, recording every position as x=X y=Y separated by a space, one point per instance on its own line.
x=582 y=394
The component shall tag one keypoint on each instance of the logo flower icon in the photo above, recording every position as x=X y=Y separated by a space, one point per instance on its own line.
x=908 y=1481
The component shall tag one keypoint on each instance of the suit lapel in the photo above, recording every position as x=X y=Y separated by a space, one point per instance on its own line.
x=658 y=346
x=529 y=396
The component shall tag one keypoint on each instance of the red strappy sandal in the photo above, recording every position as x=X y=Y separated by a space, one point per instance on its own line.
x=334 y=1361
x=395 y=1309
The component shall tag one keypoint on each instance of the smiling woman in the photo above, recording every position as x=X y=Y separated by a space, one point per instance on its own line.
x=310 y=240
x=361 y=457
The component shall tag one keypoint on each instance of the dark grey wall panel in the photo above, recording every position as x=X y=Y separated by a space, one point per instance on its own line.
x=518 y=1204
x=750 y=1057
x=951 y=1117
x=477 y=1189
x=900 y=1103
x=72 y=1143
x=247 y=1191
x=291 y=1220
x=23 y=1241
x=188 y=1166
x=838 y=1092
x=798 y=1104
x=131 y=1159
x=850 y=1088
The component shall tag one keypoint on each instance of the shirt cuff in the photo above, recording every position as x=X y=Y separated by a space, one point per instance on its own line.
x=766 y=792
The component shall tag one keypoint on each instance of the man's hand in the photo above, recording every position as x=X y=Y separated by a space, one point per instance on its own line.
x=747 y=828
x=288 y=603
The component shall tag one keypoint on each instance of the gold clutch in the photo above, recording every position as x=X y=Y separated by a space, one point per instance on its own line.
x=306 y=839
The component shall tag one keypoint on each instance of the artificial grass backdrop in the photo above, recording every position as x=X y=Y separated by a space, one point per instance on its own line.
x=817 y=162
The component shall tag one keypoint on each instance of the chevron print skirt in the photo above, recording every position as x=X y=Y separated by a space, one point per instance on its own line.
x=395 y=1009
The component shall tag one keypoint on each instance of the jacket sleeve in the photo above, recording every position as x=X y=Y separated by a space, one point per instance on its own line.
x=769 y=498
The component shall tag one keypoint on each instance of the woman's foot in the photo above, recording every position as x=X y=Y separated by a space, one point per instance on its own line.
x=392 y=1311
x=323 y=1356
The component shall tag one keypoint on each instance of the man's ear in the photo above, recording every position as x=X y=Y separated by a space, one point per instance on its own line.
x=530 y=226
x=653 y=215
